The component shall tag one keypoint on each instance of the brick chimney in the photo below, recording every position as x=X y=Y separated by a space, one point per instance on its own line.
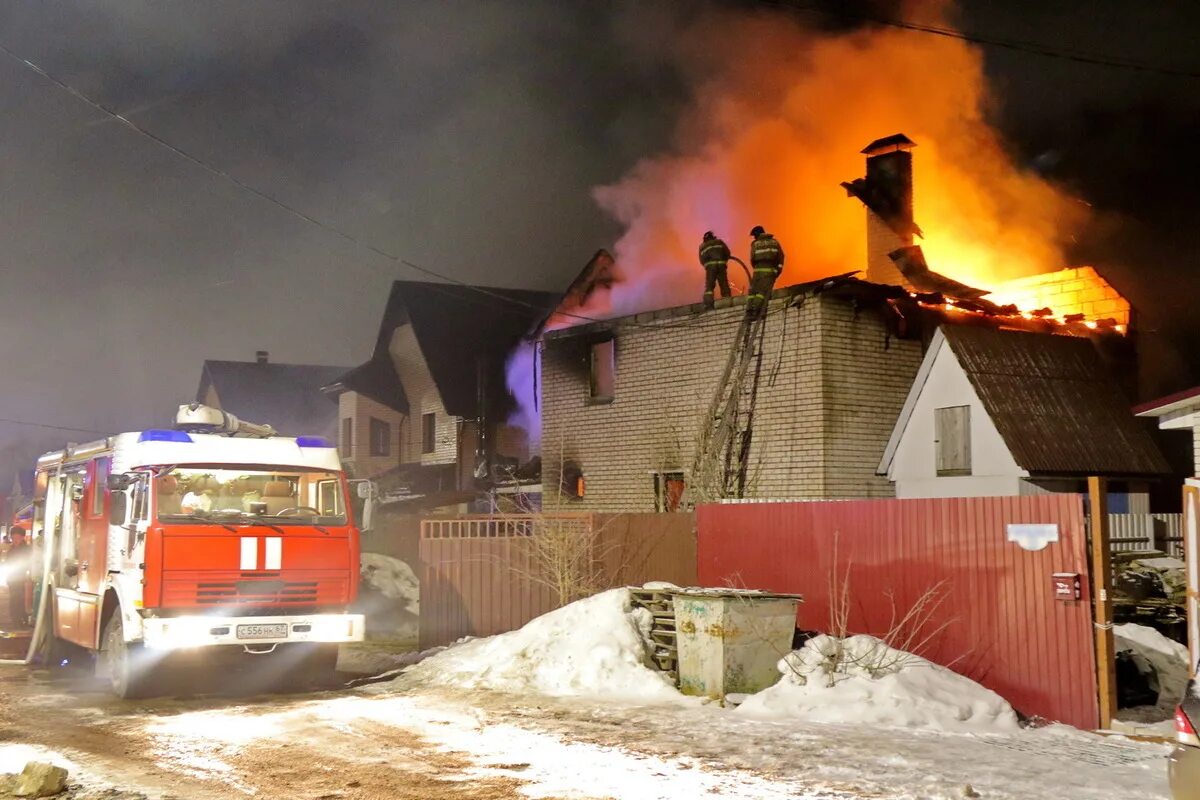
x=261 y=356
x=887 y=193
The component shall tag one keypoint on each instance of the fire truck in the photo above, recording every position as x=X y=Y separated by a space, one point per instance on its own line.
x=216 y=536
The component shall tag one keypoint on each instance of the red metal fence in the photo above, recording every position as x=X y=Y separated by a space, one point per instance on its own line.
x=483 y=575
x=1003 y=625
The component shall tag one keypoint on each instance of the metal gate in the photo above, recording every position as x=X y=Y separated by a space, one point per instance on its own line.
x=999 y=620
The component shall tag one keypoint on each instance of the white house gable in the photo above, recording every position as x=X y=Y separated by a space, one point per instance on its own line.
x=945 y=444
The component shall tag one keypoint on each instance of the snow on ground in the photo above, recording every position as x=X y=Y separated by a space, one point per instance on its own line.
x=1155 y=654
x=573 y=747
x=594 y=647
x=862 y=680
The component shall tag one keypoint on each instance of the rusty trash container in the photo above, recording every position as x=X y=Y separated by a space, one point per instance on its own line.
x=730 y=641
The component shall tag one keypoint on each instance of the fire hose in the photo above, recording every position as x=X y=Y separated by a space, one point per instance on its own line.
x=745 y=269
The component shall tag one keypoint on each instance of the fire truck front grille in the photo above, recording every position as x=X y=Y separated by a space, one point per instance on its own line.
x=257 y=593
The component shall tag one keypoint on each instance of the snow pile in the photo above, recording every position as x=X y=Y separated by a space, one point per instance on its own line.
x=392 y=578
x=861 y=680
x=1164 y=661
x=390 y=596
x=598 y=646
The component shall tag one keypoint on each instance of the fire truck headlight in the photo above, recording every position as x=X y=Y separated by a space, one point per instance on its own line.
x=332 y=628
x=179 y=632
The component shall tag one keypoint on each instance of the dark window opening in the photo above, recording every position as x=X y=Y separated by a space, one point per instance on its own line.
x=602 y=371
x=668 y=491
x=428 y=433
x=381 y=437
x=348 y=437
x=952 y=440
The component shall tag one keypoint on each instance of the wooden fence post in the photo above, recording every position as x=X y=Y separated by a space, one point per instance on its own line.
x=1106 y=664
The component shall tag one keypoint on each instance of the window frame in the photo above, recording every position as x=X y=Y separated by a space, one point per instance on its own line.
x=663 y=503
x=379 y=435
x=596 y=348
x=429 y=433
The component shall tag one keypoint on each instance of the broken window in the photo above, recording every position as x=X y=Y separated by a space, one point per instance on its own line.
x=602 y=371
x=428 y=433
x=381 y=437
x=347 y=443
x=952 y=440
x=668 y=491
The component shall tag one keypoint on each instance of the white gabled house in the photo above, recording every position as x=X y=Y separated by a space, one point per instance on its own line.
x=999 y=412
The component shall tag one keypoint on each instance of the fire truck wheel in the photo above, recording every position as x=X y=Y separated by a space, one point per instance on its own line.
x=128 y=670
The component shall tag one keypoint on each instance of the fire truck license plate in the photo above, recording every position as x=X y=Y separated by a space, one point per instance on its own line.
x=275 y=630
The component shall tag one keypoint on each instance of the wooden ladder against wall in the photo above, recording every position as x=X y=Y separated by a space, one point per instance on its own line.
x=662 y=632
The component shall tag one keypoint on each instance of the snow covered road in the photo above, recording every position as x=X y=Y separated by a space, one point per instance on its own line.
x=410 y=742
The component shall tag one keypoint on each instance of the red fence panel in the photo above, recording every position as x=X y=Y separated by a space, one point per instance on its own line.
x=1003 y=625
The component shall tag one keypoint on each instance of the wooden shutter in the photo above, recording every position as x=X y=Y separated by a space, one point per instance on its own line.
x=952 y=432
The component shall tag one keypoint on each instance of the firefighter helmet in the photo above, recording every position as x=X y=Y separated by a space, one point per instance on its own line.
x=709 y=235
x=757 y=230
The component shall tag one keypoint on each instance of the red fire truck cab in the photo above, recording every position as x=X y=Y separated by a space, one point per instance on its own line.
x=198 y=537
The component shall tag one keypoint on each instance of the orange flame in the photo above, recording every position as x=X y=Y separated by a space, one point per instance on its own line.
x=777 y=121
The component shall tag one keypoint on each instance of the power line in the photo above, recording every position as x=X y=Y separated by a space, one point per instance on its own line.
x=48 y=426
x=696 y=323
x=269 y=198
x=1018 y=45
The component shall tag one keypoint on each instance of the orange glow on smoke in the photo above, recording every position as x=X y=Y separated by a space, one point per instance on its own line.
x=777 y=122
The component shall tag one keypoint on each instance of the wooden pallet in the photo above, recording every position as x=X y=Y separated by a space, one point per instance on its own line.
x=662 y=631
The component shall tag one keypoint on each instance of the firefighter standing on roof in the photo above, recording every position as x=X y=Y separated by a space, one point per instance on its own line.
x=766 y=257
x=714 y=255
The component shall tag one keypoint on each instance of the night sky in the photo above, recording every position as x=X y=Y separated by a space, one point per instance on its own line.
x=463 y=136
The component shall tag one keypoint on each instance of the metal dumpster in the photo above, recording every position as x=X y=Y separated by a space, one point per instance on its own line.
x=730 y=641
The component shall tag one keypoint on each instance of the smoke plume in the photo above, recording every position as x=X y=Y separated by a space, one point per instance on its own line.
x=778 y=118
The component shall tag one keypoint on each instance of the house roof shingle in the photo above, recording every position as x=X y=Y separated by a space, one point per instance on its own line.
x=1054 y=403
x=286 y=396
x=456 y=327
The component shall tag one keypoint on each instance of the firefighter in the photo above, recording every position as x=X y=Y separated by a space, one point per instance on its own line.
x=714 y=255
x=766 y=257
x=16 y=567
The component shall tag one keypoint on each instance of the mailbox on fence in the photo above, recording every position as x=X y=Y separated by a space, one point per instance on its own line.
x=730 y=641
x=1066 y=586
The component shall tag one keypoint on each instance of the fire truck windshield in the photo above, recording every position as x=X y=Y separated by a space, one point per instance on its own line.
x=285 y=496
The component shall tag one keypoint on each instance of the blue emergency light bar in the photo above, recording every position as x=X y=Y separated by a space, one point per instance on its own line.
x=312 y=441
x=164 y=436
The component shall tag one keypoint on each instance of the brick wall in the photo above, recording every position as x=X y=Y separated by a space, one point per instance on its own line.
x=360 y=409
x=832 y=386
x=1080 y=290
x=882 y=240
x=423 y=398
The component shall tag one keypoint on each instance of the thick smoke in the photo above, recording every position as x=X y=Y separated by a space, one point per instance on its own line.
x=777 y=123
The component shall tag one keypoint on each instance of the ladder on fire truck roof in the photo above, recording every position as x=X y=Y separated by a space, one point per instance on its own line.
x=722 y=464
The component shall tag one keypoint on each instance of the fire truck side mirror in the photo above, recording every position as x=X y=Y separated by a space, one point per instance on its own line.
x=364 y=510
x=119 y=483
x=118 y=508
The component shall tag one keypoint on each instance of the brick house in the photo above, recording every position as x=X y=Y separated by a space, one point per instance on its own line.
x=623 y=400
x=431 y=402
x=288 y=397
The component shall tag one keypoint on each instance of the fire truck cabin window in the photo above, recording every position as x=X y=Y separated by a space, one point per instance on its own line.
x=225 y=494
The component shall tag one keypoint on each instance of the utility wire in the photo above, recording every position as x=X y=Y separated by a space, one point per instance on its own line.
x=696 y=323
x=269 y=198
x=67 y=428
x=1018 y=45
